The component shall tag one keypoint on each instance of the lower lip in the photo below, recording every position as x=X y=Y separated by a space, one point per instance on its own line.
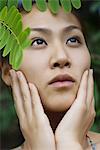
x=61 y=84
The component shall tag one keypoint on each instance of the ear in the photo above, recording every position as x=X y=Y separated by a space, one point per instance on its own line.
x=5 y=73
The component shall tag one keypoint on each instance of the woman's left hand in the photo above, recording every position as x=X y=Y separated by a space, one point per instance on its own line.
x=71 y=131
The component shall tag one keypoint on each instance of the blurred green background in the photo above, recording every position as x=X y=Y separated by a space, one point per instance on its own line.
x=10 y=134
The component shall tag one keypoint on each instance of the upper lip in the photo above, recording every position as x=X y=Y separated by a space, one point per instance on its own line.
x=62 y=77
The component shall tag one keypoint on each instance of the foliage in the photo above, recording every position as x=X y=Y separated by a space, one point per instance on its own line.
x=42 y=5
x=12 y=38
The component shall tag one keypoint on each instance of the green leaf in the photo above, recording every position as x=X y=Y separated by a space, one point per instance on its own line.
x=2 y=31
x=23 y=36
x=41 y=5
x=12 y=3
x=3 y=13
x=15 y=21
x=9 y=45
x=66 y=4
x=7 y=49
x=53 y=6
x=16 y=55
x=4 y=39
x=27 y=4
x=76 y=3
x=11 y=15
x=18 y=28
x=2 y=4
x=26 y=43
x=18 y=59
x=12 y=52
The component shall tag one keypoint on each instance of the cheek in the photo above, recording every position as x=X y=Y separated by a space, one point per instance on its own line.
x=34 y=67
x=82 y=60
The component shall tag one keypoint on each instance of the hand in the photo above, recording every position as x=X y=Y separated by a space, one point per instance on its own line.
x=33 y=121
x=71 y=131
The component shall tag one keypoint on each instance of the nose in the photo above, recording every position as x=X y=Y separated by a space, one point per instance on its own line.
x=60 y=58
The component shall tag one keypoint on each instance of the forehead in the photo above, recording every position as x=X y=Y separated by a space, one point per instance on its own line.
x=46 y=19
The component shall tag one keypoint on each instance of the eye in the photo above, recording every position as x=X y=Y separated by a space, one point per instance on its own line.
x=38 y=43
x=74 y=41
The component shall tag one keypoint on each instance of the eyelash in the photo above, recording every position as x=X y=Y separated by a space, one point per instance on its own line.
x=72 y=41
x=75 y=41
x=38 y=44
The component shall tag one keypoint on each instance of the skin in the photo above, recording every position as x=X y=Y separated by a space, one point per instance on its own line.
x=56 y=51
x=37 y=103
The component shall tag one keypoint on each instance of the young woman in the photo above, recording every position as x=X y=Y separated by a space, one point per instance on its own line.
x=53 y=89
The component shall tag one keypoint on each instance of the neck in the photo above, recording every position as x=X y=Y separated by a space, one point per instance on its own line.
x=54 y=118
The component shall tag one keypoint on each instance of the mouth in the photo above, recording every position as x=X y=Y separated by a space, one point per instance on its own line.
x=62 y=81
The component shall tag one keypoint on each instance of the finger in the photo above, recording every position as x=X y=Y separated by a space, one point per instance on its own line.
x=17 y=96
x=90 y=89
x=26 y=97
x=92 y=112
x=82 y=92
x=91 y=115
x=38 y=109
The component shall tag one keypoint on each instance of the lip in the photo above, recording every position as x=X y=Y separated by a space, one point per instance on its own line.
x=62 y=80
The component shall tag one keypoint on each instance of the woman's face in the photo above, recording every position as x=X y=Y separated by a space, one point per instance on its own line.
x=57 y=58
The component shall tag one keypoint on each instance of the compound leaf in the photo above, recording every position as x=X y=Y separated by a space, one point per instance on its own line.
x=12 y=38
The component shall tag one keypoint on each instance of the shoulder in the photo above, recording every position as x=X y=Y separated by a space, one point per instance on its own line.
x=95 y=137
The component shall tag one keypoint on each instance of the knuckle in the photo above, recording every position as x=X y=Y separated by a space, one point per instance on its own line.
x=25 y=97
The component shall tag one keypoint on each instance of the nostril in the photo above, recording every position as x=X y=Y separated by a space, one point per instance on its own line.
x=56 y=65
x=67 y=64
x=61 y=65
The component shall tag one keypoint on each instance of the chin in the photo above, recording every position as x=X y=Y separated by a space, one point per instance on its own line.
x=58 y=105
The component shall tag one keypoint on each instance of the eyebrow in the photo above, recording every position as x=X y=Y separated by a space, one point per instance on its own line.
x=48 y=31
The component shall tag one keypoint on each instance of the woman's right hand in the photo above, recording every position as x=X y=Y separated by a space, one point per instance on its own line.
x=33 y=121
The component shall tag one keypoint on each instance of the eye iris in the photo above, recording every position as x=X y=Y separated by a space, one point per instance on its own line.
x=73 y=40
x=39 y=42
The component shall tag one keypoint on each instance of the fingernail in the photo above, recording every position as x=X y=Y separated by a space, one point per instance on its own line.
x=11 y=72
x=91 y=71
x=19 y=74
x=86 y=72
